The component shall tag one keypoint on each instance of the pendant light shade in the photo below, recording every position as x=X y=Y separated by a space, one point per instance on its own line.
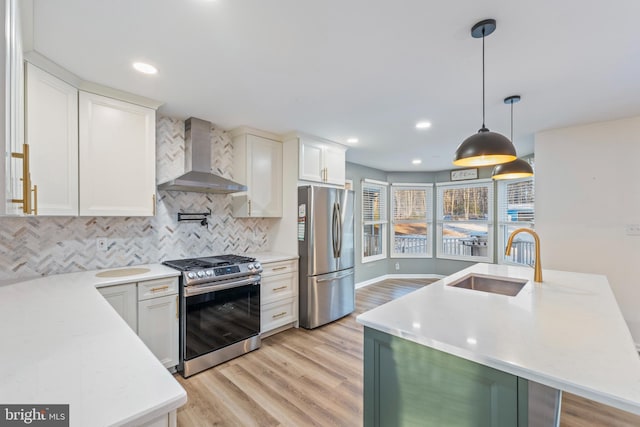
x=485 y=148
x=518 y=168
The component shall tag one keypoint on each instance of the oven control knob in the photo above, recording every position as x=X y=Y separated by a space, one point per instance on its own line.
x=257 y=266
x=209 y=273
x=201 y=273
x=250 y=267
x=191 y=275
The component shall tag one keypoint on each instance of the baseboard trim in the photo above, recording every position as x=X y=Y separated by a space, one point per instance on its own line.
x=397 y=276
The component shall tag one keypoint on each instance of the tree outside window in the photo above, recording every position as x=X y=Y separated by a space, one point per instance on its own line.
x=465 y=221
x=411 y=220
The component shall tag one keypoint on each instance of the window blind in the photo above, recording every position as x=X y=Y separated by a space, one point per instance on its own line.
x=465 y=201
x=412 y=219
x=374 y=202
x=516 y=201
x=411 y=202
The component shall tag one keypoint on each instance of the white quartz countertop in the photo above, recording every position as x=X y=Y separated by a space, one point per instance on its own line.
x=62 y=343
x=267 y=257
x=567 y=332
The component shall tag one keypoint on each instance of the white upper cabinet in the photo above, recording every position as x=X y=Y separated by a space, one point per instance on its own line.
x=322 y=161
x=52 y=136
x=117 y=157
x=335 y=164
x=257 y=163
x=12 y=113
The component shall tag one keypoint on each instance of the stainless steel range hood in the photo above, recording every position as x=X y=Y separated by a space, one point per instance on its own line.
x=197 y=160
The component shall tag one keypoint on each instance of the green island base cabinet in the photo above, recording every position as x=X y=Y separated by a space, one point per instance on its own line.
x=408 y=384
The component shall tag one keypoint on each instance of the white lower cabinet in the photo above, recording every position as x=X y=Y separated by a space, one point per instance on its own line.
x=150 y=307
x=169 y=420
x=124 y=299
x=158 y=327
x=278 y=296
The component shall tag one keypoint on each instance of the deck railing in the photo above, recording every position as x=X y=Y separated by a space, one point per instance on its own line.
x=522 y=251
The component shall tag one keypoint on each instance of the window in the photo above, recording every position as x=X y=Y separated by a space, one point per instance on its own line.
x=465 y=221
x=374 y=220
x=516 y=210
x=411 y=208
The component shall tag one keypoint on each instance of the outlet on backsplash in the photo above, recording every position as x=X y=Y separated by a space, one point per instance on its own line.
x=397 y=266
x=102 y=244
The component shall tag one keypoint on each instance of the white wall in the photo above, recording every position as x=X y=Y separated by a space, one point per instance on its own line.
x=587 y=189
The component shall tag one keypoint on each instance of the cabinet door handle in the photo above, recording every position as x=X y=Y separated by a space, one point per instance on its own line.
x=160 y=288
x=35 y=200
x=284 y=267
x=249 y=205
x=26 y=181
x=276 y=316
x=153 y=201
x=177 y=305
x=279 y=288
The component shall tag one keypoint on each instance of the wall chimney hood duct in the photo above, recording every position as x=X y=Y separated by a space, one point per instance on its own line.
x=197 y=164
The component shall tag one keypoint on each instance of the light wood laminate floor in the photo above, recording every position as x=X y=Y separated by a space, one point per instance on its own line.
x=307 y=378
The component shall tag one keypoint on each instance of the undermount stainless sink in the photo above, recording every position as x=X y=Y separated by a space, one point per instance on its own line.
x=492 y=284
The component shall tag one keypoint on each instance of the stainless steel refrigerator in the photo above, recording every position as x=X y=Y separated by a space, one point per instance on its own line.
x=325 y=245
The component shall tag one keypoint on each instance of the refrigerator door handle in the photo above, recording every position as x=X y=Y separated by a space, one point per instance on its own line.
x=342 y=276
x=334 y=230
x=339 y=230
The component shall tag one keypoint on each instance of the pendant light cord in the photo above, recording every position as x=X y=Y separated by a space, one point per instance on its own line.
x=483 y=126
x=512 y=121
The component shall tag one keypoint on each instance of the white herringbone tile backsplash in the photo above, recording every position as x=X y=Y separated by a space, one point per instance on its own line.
x=50 y=245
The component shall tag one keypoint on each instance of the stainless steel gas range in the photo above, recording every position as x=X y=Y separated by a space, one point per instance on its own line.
x=219 y=310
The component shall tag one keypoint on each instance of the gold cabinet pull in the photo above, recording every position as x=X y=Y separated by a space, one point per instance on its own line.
x=35 y=200
x=279 y=268
x=153 y=200
x=249 y=205
x=160 y=288
x=275 y=316
x=26 y=182
x=279 y=288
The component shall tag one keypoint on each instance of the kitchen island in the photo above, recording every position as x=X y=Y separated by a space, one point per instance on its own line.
x=566 y=333
x=62 y=343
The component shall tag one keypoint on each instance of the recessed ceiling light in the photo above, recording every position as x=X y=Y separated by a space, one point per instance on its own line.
x=145 y=68
x=416 y=161
x=423 y=125
x=352 y=140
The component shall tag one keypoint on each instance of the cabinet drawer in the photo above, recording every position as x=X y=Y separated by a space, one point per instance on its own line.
x=277 y=314
x=277 y=287
x=157 y=288
x=280 y=267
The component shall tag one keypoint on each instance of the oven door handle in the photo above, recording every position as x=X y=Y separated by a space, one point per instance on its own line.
x=190 y=291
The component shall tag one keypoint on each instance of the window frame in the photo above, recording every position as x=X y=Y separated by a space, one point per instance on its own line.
x=490 y=221
x=384 y=223
x=428 y=220
x=500 y=222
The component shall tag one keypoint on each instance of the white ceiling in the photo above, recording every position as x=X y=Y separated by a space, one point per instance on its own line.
x=363 y=68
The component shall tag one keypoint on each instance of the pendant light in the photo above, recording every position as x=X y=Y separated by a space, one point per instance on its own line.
x=485 y=148
x=518 y=168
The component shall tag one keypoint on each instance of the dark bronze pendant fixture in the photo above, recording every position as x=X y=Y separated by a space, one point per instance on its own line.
x=518 y=168
x=485 y=148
